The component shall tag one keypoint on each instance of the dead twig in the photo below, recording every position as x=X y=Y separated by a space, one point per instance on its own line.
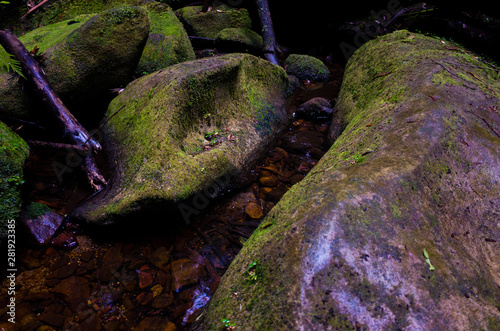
x=33 y=9
x=83 y=148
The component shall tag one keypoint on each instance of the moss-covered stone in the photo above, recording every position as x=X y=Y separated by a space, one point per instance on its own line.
x=306 y=67
x=85 y=57
x=209 y=24
x=168 y=42
x=63 y=10
x=158 y=141
x=343 y=249
x=239 y=39
x=13 y=154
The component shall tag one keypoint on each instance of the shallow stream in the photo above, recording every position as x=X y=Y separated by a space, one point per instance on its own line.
x=154 y=278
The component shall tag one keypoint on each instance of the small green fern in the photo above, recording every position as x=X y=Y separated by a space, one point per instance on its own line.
x=8 y=63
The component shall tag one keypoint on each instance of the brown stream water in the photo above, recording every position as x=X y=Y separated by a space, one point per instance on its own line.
x=154 y=279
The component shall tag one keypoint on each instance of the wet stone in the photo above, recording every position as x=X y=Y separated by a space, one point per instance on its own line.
x=301 y=141
x=86 y=256
x=33 y=296
x=29 y=262
x=160 y=257
x=52 y=318
x=269 y=181
x=64 y=271
x=146 y=276
x=163 y=301
x=112 y=325
x=81 y=271
x=129 y=284
x=111 y=262
x=254 y=210
x=60 y=262
x=30 y=322
x=73 y=290
x=160 y=277
x=144 y=298
x=156 y=323
x=315 y=108
x=66 y=240
x=186 y=272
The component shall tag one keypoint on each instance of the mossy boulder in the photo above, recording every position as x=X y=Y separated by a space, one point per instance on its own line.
x=306 y=67
x=239 y=39
x=209 y=24
x=57 y=11
x=13 y=154
x=184 y=128
x=168 y=42
x=84 y=58
x=397 y=225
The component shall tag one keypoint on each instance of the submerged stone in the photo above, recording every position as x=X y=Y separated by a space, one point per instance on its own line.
x=397 y=225
x=13 y=153
x=185 y=134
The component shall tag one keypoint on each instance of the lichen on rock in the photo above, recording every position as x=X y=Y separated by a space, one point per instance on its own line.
x=412 y=179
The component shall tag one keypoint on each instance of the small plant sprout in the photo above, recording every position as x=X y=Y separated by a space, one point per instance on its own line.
x=426 y=255
x=228 y=326
x=254 y=272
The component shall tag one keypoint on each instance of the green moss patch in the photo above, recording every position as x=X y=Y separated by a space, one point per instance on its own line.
x=13 y=153
x=168 y=42
x=306 y=67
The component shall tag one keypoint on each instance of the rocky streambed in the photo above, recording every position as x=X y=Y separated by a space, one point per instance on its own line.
x=155 y=277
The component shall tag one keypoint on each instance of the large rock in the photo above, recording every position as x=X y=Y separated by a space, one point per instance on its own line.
x=13 y=154
x=84 y=58
x=397 y=226
x=188 y=129
x=168 y=42
x=210 y=23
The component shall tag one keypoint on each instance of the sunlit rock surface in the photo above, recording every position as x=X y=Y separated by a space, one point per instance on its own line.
x=415 y=169
x=189 y=130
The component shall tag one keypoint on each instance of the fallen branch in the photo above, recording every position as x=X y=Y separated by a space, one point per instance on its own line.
x=73 y=130
x=33 y=9
x=57 y=145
